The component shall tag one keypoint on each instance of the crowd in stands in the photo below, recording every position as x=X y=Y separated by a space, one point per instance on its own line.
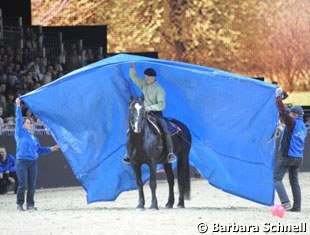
x=23 y=70
x=20 y=74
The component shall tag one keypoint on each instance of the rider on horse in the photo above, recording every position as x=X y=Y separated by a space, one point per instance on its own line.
x=154 y=102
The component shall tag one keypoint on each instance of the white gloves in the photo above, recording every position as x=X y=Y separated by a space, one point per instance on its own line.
x=279 y=92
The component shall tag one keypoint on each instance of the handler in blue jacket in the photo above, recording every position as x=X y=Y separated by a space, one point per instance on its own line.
x=27 y=150
x=290 y=159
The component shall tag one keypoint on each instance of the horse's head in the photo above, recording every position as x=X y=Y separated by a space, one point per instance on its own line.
x=136 y=114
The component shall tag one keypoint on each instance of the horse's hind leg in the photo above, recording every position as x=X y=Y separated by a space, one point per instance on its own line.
x=137 y=170
x=153 y=185
x=170 y=179
x=183 y=179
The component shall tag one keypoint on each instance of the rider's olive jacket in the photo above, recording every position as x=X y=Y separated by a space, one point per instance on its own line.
x=154 y=94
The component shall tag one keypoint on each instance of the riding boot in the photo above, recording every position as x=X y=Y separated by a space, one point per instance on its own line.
x=171 y=156
x=126 y=159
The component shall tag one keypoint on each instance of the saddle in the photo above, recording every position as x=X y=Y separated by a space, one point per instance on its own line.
x=173 y=129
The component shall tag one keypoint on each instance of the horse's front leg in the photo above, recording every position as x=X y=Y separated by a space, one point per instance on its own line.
x=153 y=185
x=137 y=170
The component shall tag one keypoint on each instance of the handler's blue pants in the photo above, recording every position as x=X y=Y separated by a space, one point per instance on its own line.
x=292 y=164
x=27 y=175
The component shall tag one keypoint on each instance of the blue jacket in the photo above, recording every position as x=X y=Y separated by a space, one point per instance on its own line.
x=27 y=145
x=8 y=165
x=293 y=140
x=294 y=134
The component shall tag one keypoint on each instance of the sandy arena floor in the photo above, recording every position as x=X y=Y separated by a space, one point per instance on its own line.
x=64 y=211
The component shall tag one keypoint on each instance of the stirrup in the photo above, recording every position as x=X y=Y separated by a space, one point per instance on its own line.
x=171 y=158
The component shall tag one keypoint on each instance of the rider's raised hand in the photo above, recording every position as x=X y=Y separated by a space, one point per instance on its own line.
x=279 y=92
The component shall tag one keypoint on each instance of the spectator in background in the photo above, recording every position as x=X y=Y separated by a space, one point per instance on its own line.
x=20 y=85
x=26 y=56
x=73 y=60
x=17 y=70
x=11 y=61
x=10 y=122
x=2 y=75
x=9 y=51
x=34 y=65
x=27 y=150
x=10 y=106
x=31 y=40
x=3 y=89
x=89 y=56
x=308 y=123
x=53 y=72
x=5 y=60
x=42 y=72
x=7 y=171
x=47 y=77
x=36 y=85
x=58 y=67
x=3 y=103
x=1 y=119
x=36 y=75
x=31 y=43
x=61 y=60
x=58 y=70
x=2 y=51
x=60 y=74
x=28 y=81
x=18 y=56
x=11 y=83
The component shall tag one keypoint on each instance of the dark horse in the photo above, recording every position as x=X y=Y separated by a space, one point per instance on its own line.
x=145 y=146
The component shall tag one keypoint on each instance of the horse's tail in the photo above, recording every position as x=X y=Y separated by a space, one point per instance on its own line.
x=184 y=177
x=183 y=161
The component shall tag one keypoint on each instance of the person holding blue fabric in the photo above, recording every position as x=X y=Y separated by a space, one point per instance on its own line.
x=27 y=150
x=154 y=102
x=7 y=171
x=290 y=157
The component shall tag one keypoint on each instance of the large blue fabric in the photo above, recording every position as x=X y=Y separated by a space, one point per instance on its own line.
x=232 y=119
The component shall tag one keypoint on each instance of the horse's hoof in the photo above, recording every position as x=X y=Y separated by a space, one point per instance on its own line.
x=154 y=208
x=169 y=205
x=181 y=206
x=140 y=207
